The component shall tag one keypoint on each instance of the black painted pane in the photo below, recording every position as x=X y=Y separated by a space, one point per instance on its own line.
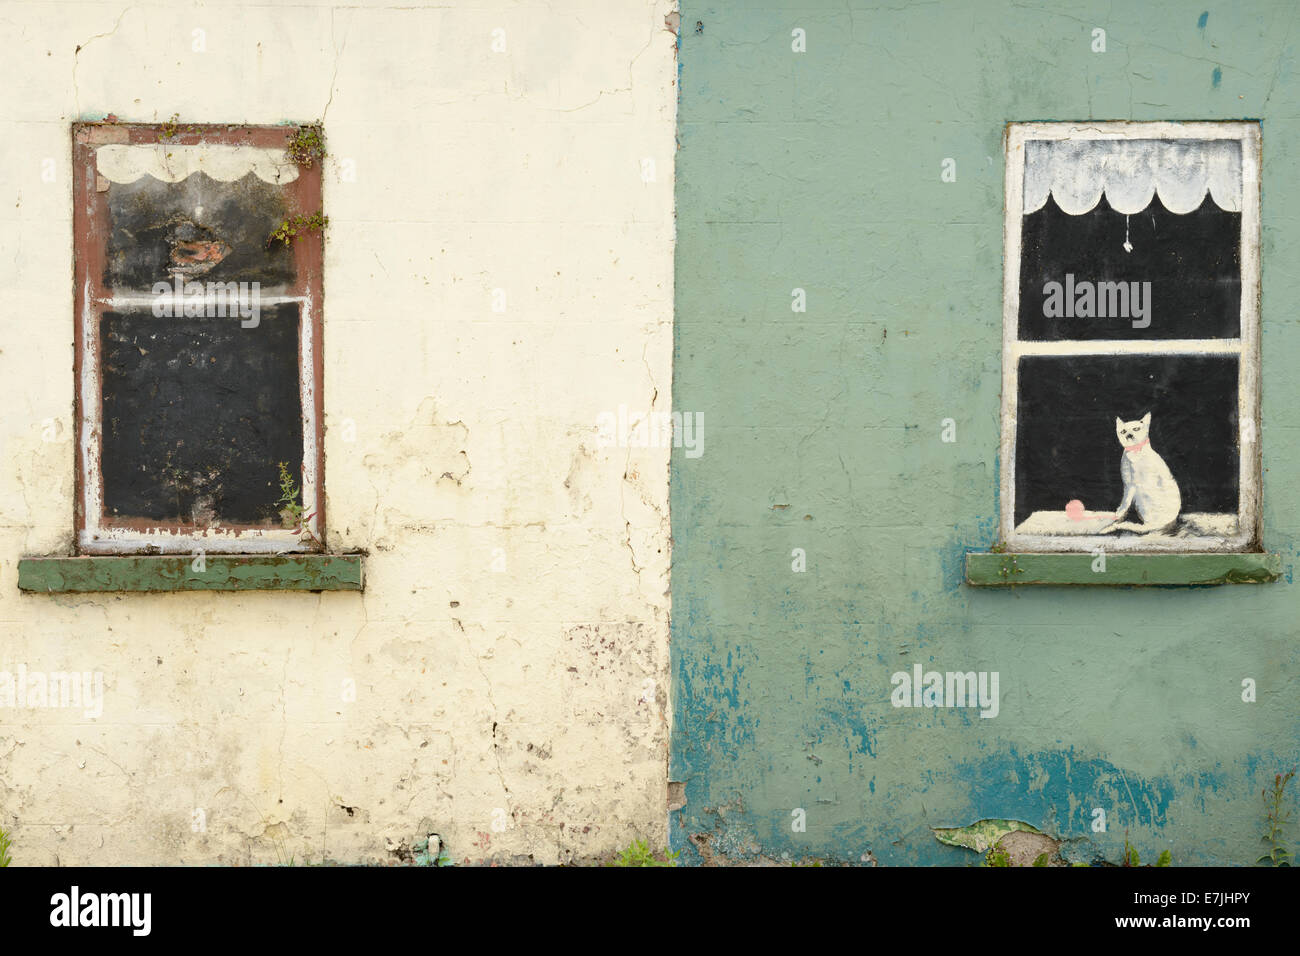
x=207 y=230
x=196 y=414
x=1192 y=264
x=1067 y=449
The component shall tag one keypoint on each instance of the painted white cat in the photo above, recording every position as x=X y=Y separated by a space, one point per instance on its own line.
x=1148 y=482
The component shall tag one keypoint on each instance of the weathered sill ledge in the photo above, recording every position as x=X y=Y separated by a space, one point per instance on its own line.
x=221 y=572
x=1013 y=569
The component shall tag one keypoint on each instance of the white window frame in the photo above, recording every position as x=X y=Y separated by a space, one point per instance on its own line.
x=96 y=538
x=1246 y=347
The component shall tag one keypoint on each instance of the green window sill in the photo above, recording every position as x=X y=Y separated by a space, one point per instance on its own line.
x=1006 y=569
x=221 y=572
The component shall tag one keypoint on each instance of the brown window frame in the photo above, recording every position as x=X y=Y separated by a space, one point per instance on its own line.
x=96 y=533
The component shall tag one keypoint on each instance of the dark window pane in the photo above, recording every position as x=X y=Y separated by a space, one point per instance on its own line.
x=196 y=414
x=1067 y=448
x=1192 y=263
x=205 y=229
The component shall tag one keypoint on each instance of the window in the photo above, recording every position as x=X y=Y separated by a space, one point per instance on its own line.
x=1131 y=338
x=198 y=331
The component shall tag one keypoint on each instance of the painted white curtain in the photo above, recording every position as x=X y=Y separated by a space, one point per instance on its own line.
x=1130 y=171
x=170 y=164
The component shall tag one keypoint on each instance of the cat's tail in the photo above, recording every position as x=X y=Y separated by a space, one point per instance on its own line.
x=1127 y=526
x=1140 y=528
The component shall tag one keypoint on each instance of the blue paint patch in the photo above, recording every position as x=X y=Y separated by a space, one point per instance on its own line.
x=1203 y=19
x=1216 y=77
x=1058 y=790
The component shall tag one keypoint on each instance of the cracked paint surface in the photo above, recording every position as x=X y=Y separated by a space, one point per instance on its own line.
x=498 y=692
x=822 y=171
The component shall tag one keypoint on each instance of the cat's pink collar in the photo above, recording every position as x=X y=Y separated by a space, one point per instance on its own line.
x=1138 y=447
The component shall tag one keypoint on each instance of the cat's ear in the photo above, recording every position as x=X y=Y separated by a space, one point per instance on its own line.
x=1119 y=422
x=1146 y=420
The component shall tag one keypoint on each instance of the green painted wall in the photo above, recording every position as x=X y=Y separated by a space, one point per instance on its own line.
x=821 y=170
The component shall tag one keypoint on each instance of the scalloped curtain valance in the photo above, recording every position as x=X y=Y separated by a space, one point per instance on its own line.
x=1130 y=171
x=171 y=164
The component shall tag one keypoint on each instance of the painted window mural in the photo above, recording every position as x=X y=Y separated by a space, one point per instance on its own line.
x=1131 y=337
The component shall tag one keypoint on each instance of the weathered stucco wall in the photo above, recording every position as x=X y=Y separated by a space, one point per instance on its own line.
x=823 y=171
x=510 y=650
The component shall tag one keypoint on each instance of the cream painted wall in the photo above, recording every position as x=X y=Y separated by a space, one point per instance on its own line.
x=538 y=690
